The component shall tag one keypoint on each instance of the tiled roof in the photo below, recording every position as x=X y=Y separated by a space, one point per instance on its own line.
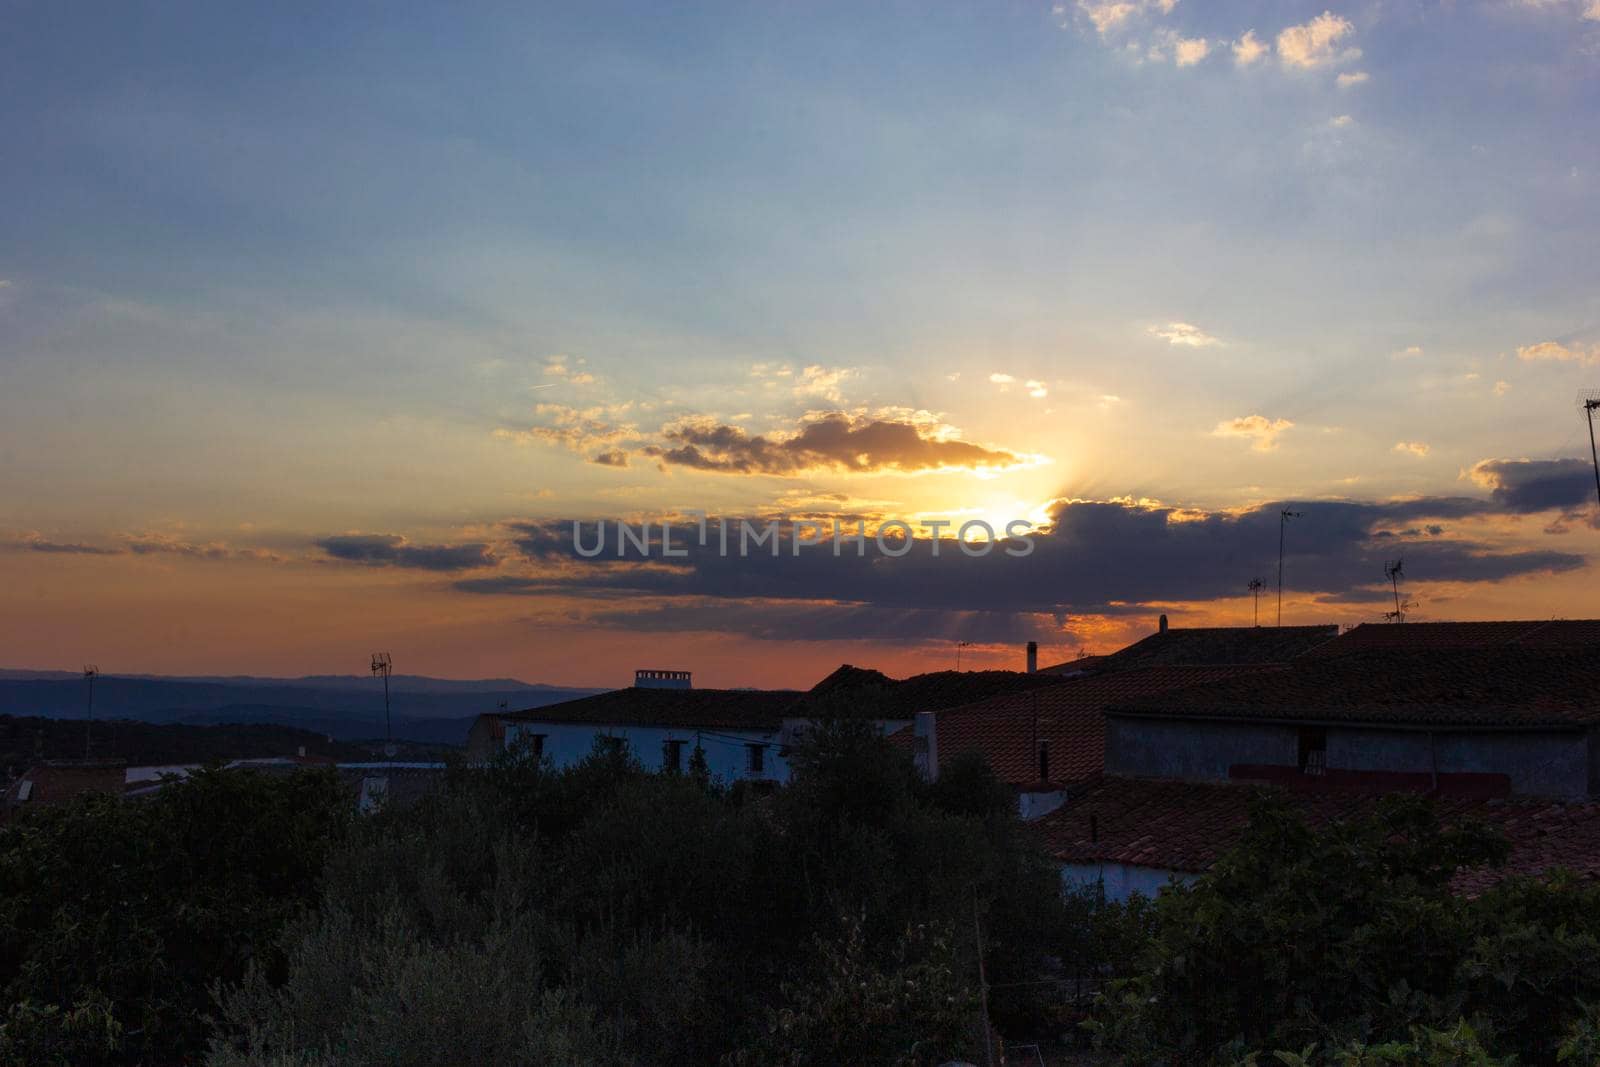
x=56 y=780
x=1186 y=826
x=1508 y=686
x=1006 y=729
x=1425 y=636
x=871 y=694
x=747 y=709
x=1080 y=665
x=1216 y=645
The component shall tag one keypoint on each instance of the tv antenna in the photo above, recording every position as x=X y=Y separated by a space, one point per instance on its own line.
x=1283 y=520
x=1394 y=572
x=90 y=673
x=383 y=665
x=959 y=646
x=1591 y=400
x=1255 y=587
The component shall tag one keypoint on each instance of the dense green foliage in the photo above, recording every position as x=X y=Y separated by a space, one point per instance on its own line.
x=604 y=915
x=117 y=917
x=1349 y=944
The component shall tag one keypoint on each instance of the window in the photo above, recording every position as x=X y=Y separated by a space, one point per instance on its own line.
x=612 y=746
x=1044 y=761
x=1313 y=749
x=672 y=756
x=755 y=759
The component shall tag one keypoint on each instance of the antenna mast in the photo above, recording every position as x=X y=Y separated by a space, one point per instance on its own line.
x=1591 y=401
x=1394 y=572
x=90 y=673
x=959 y=646
x=1283 y=520
x=1255 y=587
x=383 y=665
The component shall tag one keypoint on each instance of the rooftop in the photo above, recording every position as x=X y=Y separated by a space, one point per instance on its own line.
x=1487 y=686
x=873 y=694
x=1007 y=728
x=748 y=709
x=1221 y=645
x=1186 y=826
x=1429 y=636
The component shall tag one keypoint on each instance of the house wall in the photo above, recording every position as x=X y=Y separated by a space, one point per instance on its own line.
x=1169 y=748
x=1542 y=763
x=1121 y=880
x=567 y=743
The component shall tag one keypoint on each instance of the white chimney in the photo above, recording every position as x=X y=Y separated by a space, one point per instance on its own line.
x=1033 y=657
x=926 y=732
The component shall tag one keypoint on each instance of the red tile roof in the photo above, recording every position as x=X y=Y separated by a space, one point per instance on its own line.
x=1217 y=645
x=1076 y=666
x=1502 y=686
x=857 y=691
x=1006 y=729
x=736 y=709
x=53 y=781
x=1425 y=636
x=1186 y=826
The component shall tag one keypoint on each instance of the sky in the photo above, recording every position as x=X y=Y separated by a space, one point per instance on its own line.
x=320 y=327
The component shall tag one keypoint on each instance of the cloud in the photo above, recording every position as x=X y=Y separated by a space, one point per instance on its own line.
x=824 y=382
x=1182 y=333
x=1409 y=352
x=836 y=441
x=1554 y=350
x=393 y=550
x=1415 y=448
x=1001 y=379
x=1261 y=431
x=585 y=431
x=1341 y=121
x=614 y=458
x=1353 y=78
x=1188 y=51
x=1591 y=11
x=1037 y=390
x=1094 y=557
x=1502 y=388
x=35 y=543
x=1524 y=486
x=1316 y=43
x=1110 y=16
x=1248 y=49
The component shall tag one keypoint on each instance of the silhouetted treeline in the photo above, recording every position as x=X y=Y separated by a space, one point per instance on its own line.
x=23 y=739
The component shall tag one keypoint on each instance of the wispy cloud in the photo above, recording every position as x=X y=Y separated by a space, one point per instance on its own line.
x=1317 y=43
x=1260 y=431
x=1352 y=78
x=1558 y=352
x=393 y=550
x=1414 y=448
x=1183 y=333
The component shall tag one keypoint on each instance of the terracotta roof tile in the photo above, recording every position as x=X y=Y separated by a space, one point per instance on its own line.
x=1485 y=686
x=1186 y=826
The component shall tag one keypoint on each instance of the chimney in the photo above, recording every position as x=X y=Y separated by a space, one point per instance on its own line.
x=926 y=736
x=302 y=751
x=1033 y=657
x=1163 y=624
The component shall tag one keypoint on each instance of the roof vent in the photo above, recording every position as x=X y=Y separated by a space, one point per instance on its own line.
x=653 y=679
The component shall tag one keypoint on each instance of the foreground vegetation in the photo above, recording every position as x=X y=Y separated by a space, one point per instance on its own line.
x=602 y=915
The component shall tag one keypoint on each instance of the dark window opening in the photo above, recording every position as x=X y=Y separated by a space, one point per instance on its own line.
x=1044 y=761
x=1313 y=749
x=612 y=745
x=755 y=759
x=672 y=756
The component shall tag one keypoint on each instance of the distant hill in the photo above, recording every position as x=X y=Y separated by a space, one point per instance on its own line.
x=24 y=740
x=346 y=707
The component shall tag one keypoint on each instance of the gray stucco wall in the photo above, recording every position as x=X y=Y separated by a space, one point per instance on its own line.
x=1544 y=763
x=1167 y=748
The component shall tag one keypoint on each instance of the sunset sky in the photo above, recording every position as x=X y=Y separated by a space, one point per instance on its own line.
x=319 y=325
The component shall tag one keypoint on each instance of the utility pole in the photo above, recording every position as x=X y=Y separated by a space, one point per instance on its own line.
x=1283 y=520
x=90 y=673
x=959 y=646
x=383 y=665
x=1255 y=587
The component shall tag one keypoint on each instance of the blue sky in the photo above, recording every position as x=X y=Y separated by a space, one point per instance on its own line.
x=277 y=275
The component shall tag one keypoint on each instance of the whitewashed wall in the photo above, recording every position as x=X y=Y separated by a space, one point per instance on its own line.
x=567 y=743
